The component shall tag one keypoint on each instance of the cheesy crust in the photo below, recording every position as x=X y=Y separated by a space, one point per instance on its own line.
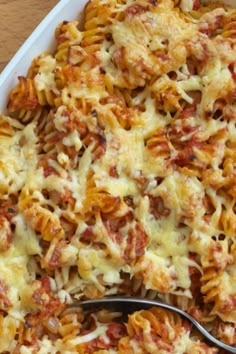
x=117 y=176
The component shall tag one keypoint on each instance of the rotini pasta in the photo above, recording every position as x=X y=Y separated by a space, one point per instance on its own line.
x=117 y=176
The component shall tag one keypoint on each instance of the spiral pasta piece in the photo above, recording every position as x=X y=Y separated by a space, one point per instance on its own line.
x=229 y=28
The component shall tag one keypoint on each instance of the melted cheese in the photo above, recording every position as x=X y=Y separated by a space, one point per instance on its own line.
x=99 y=331
x=14 y=267
x=45 y=78
x=128 y=169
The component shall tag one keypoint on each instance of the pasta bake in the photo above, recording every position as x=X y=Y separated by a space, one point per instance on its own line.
x=118 y=176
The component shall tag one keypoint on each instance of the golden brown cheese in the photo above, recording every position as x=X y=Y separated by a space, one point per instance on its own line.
x=117 y=174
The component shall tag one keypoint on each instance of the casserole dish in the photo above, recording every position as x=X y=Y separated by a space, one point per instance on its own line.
x=117 y=155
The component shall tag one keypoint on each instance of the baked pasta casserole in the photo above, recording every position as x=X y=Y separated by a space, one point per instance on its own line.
x=118 y=176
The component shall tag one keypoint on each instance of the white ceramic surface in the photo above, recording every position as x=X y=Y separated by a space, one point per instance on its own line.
x=40 y=40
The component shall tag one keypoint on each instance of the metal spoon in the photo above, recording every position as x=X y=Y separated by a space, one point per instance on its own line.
x=128 y=305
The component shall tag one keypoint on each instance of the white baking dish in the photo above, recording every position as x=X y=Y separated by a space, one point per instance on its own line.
x=40 y=40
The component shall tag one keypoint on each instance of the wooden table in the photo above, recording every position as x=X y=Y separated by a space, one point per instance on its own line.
x=18 y=18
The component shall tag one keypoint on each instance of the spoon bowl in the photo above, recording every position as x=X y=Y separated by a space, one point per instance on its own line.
x=127 y=305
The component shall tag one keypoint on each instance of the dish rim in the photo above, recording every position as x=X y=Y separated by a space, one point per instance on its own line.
x=40 y=40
